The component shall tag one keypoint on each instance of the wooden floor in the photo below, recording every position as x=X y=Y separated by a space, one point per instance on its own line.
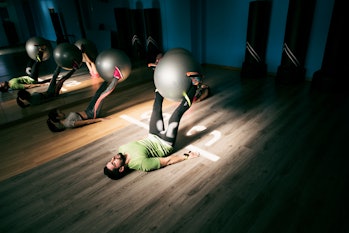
x=274 y=159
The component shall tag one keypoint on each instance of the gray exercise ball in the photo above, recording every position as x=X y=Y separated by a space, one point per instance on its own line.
x=32 y=47
x=170 y=75
x=88 y=47
x=65 y=54
x=108 y=59
x=178 y=50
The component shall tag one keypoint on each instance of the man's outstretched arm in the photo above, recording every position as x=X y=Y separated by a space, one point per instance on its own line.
x=175 y=158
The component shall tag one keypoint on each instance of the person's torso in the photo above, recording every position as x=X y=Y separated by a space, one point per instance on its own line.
x=144 y=153
x=18 y=83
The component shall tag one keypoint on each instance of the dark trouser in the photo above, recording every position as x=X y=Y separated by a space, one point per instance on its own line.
x=34 y=71
x=94 y=108
x=156 y=125
x=55 y=87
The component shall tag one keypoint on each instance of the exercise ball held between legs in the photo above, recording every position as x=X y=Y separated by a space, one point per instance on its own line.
x=170 y=75
x=35 y=45
x=67 y=55
x=108 y=59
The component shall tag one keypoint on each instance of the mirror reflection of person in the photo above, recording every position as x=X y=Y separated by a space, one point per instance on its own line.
x=30 y=80
x=25 y=98
x=90 y=63
x=58 y=121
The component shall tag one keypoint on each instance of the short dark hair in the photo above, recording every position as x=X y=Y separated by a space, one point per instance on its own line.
x=4 y=87
x=23 y=95
x=115 y=174
x=52 y=115
x=53 y=127
x=52 y=119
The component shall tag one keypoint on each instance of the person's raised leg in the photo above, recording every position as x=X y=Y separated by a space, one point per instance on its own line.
x=62 y=80
x=52 y=87
x=104 y=90
x=156 y=124
x=90 y=110
x=34 y=72
x=95 y=105
x=173 y=123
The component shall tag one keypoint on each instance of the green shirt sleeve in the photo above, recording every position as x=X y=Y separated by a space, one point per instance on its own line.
x=18 y=83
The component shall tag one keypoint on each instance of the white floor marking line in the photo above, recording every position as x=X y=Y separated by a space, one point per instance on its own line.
x=203 y=153
x=216 y=136
x=71 y=83
x=197 y=128
x=134 y=121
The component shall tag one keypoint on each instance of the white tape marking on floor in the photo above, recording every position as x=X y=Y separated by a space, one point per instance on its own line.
x=203 y=153
x=134 y=121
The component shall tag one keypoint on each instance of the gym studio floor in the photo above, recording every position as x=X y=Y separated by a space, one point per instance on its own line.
x=273 y=159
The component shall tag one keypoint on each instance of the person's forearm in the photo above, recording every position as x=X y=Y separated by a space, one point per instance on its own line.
x=172 y=159
x=92 y=121
x=26 y=86
x=87 y=122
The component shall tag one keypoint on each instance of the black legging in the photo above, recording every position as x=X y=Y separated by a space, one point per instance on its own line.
x=34 y=71
x=55 y=87
x=53 y=90
x=95 y=105
x=156 y=124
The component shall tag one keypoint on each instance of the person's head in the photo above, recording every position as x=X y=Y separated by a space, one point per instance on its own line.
x=23 y=98
x=56 y=115
x=53 y=121
x=115 y=168
x=4 y=86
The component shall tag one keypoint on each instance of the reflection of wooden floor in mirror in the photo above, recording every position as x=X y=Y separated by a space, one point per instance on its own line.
x=273 y=160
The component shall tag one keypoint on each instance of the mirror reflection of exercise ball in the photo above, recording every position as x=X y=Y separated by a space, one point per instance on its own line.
x=170 y=74
x=108 y=59
x=65 y=54
x=178 y=50
x=32 y=47
x=88 y=47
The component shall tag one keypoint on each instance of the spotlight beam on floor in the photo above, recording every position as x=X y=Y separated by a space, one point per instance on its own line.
x=203 y=153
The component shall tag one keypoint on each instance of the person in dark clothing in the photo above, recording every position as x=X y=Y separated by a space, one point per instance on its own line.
x=25 y=98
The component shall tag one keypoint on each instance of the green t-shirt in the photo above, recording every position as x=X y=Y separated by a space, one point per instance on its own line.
x=144 y=153
x=18 y=83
